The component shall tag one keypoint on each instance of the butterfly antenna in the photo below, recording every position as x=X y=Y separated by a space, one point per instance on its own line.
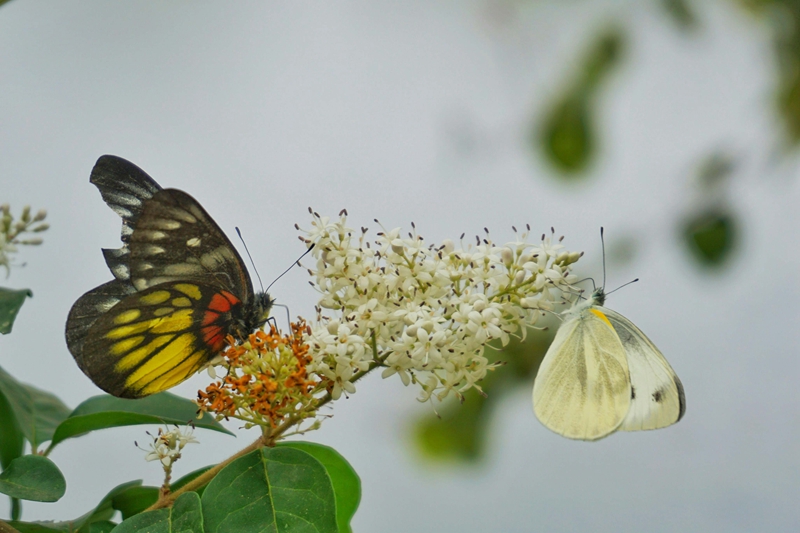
x=603 y=245
x=239 y=233
x=296 y=262
x=288 y=318
x=625 y=285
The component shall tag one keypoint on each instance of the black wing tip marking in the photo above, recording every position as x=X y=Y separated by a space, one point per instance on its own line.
x=681 y=398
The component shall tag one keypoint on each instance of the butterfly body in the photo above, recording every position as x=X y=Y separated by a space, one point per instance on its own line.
x=180 y=288
x=602 y=374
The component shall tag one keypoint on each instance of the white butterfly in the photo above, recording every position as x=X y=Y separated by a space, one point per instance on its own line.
x=602 y=374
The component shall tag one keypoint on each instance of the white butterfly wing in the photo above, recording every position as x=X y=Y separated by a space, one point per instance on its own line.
x=582 y=390
x=657 y=393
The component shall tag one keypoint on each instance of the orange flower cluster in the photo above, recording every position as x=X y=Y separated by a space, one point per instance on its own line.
x=266 y=379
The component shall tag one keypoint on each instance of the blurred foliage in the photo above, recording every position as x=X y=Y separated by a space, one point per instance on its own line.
x=567 y=133
x=709 y=230
x=711 y=236
x=783 y=16
x=681 y=13
x=461 y=431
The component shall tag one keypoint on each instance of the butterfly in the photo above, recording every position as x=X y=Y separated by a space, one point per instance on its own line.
x=602 y=374
x=179 y=289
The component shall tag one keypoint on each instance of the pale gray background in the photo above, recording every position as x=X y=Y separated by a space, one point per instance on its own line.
x=419 y=110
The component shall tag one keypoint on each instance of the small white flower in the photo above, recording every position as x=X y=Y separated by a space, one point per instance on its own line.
x=425 y=313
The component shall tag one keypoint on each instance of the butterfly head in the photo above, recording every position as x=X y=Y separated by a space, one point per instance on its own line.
x=257 y=313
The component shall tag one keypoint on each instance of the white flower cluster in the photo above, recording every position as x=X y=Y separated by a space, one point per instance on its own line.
x=424 y=312
x=166 y=446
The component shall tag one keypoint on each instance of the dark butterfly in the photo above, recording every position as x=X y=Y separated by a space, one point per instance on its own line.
x=180 y=287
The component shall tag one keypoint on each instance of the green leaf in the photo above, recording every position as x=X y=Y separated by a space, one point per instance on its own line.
x=271 y=489
x=36 y=411
x=149 y=522
x=680 y=13
x=567 y=135
x=98 y=519
x=10 y=303
x=33 y=477
x=190 y=477
x=134 y=500
x=105 y=526
x=11 y=438
x=103 y=512
x=185 y=516
x=711 y=236
x=345 y=481
x=105 y=411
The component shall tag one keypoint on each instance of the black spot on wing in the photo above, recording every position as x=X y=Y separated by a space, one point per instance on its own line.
x=633 y=392
x=658 y=396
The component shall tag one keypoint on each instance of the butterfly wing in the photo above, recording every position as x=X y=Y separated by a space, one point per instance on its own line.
x=657 y=393
x=168 y=238
x=88 y=309
x=582 y=389
x=156 y=338
x=166 y=234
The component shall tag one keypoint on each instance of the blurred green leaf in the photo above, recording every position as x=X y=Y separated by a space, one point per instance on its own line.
x=345 y=481
x=33 y=477
x=711 y=236
x=604 y=54
x=271 y=489
x=10 y=303
x=105 y=411
x=681 y=13
x=714 y=171
x=461 y=431
x=37 y=412
x=185 y=516
x=567 y=134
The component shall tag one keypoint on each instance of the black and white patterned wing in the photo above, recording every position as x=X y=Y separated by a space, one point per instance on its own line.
x=176 y=240
x=125 y=188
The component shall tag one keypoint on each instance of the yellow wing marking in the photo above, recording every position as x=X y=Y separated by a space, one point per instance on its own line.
x=155 y=298
x=181 y=301
x=162 y=311
x=177 y=374
x=171 y=355
x=602 y=316
x=138 y=355
x=122 y=347
x=130 y=330
x=192 y=291
x=177 y=321
x=127 y=316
